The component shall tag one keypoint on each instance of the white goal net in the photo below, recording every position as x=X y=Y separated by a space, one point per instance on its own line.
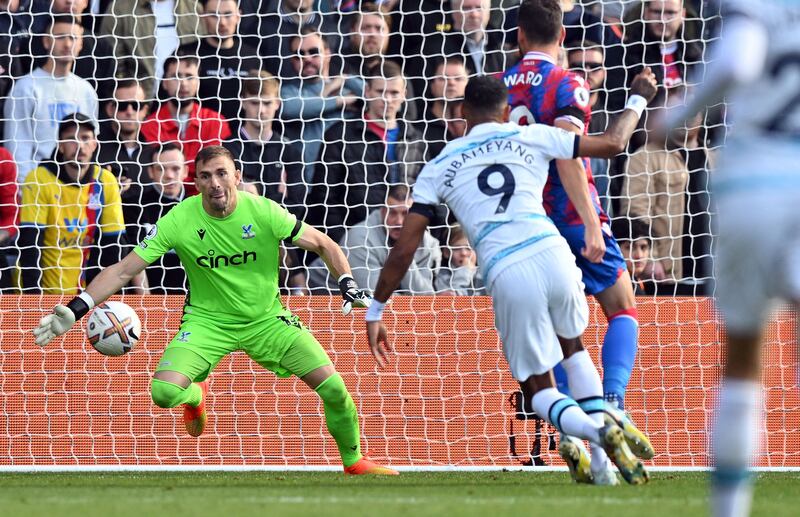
x=304 y=94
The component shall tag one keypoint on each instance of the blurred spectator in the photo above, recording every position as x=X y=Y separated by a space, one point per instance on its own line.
x=664 y=35
x=587 y=62
x=469 y=36
x=636 y=245
x=443 y=121
x=143 y=34
x=40 y=99
x=459 y=273
x=70 y=215
x=270 y=26
x=313 y=101
x=42 y=10
x=367 y=246
x=583 y=26
x=348 y=6
x=438 y=132
x=612 y=11
x=162 y=190
x=267 y=160
x=15 y=41
x=224 y=59
x=8 y=216
x=120 y=144
x=655 y=190
x=95 y=61
x=413 y=22
x=362 y=156
x=368 y=42
x=180 y=117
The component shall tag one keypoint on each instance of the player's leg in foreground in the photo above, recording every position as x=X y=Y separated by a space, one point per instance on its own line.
x=307 y=359
x=618 y=356
x=735 y=432
x=181 y=374
x=611 y=285
x=567 y=417
x=584 y=384
x=180 y=379
x=535 y=300
x=748 y=275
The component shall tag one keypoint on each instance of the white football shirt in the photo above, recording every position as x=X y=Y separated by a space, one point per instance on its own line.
x=492 y=179
x=764 y=144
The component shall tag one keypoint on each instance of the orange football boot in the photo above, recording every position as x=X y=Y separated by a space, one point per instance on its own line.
x=365 y=466
x=194 y=417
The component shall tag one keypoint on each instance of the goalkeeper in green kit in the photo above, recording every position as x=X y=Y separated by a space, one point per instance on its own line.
x=228 y=242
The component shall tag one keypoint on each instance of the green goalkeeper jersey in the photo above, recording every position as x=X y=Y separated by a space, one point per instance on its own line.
x=231 y=262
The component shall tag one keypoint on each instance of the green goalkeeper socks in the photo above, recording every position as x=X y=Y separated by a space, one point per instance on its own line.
x=167 y=395
x=341 y=418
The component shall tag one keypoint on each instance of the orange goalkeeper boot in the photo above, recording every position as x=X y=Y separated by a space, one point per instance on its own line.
x=194 y=417
x=365 y=466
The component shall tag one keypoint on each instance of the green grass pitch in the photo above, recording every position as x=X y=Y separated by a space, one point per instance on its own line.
x=329 y=494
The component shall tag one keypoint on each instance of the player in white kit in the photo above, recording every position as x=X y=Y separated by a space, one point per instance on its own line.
x=492 y=179
x=756 y=65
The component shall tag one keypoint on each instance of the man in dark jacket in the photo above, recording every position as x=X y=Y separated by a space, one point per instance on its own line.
x=361 y=157
x=443 y=119
x=270 y=25
x=120 y=145
x=162 y=190
x=661 y=34
x=224 y=59
x=269 y=162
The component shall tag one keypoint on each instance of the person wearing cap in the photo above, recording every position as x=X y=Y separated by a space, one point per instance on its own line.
x=41 y=98
x=70 y=215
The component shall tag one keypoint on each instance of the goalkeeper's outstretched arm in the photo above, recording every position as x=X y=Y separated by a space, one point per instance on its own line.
x=317 y=242
x=109 y=281
x=115 y=277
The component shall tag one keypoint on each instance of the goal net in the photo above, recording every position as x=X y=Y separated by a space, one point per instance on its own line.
x=161 y=85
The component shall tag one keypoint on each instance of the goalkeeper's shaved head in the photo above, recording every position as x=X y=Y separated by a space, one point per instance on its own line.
x=485 y=100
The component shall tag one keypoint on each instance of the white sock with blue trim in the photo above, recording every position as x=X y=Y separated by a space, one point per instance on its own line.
x=565 y=414
x=585 y=386
x=736 y=440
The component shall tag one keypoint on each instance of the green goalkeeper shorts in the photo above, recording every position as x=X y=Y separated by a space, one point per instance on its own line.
x=279 y=343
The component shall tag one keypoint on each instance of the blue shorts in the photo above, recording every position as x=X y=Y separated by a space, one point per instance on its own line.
x=596 y=277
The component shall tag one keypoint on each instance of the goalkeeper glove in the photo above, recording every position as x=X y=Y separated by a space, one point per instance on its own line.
x=352 y=295
x=62 y=318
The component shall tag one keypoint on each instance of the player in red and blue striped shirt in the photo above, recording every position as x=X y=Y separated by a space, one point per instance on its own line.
x=540 y=91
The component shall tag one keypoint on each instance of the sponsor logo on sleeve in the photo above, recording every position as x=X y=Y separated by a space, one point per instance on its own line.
x=151 y=232
x=582 y=96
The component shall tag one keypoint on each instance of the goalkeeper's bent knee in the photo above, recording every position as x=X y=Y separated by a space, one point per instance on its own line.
x=166 y=394
x=334 y=392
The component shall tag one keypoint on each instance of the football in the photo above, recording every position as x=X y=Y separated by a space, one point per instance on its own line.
x=113 y=328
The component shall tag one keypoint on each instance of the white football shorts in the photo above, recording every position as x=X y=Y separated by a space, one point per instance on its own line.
x=758 y=256
x=535 y=300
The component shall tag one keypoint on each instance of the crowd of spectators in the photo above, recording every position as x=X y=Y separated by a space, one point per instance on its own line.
x=331 y=108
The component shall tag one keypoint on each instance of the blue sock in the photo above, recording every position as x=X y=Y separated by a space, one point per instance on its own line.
x=619 y=354
x=561 y=379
